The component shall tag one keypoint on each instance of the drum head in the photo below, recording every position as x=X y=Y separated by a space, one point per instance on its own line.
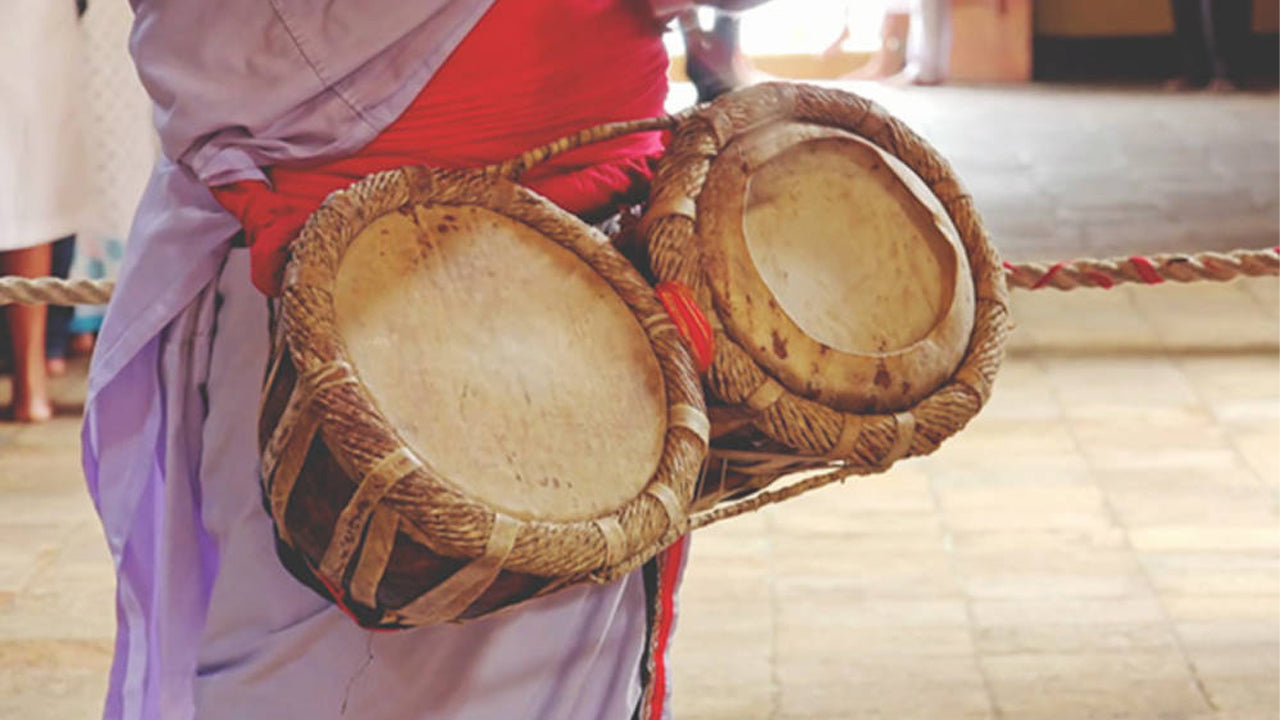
x=834 y=267
x=504 y=360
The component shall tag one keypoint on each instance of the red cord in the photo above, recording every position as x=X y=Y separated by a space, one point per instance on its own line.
x=1102 y=281
x=1146 y=270
x=1044 y=279
x=689 y=320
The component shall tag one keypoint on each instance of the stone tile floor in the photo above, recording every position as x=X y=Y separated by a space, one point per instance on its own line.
x=1101 y=542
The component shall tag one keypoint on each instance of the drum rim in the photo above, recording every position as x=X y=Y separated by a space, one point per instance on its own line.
x=815 y=433
x=438 y=514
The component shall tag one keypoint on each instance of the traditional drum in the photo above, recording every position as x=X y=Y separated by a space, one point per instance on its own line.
x=473 y=400
x=858 y=310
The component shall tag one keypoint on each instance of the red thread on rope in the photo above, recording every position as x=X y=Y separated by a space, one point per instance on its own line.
x=689 y=321
x=1102 y=281
x=1146 y=270
x=1044 y=279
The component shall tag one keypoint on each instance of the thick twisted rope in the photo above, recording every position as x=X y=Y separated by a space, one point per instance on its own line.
x=54 y=291
x=1072 y=275
x=1106 y=274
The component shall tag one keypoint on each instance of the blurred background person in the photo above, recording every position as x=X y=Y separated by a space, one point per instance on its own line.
x=57 y=334
x=121 y=146
x=1211 y=35
x=713 y=58
x=39 y=193
x=891 y=57
x=915 y=43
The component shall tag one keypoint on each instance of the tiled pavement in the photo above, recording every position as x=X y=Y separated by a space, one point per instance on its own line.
x=1102 y=542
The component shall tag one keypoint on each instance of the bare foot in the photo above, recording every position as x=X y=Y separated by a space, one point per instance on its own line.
x=881 y=66
x=1182 y=84
x=1221 y=85
x=55 y=367
x=32 y=410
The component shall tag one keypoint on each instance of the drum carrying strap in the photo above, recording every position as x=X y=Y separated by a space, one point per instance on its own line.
x=447 y=600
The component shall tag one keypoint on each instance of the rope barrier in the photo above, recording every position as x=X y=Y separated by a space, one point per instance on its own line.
x=54 y=291
x=1105 y=274
x=1153 y=270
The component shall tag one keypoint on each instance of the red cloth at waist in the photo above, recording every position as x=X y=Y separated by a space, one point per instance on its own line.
x=529 y=72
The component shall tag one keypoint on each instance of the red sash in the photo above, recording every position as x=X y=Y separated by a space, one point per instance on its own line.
x=529 y=72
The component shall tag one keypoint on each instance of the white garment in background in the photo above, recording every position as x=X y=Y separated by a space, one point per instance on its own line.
x=120 y=146
x=39 y=134
x=929 y=39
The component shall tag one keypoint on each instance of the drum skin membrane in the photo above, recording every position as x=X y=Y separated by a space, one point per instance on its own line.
x=846 y=260
x=834 y=267
x=511 y=368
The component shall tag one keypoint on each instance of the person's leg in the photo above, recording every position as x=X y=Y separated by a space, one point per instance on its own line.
x=891 y=57
x=712 y=59
x=1191 y=35
x=929 y=49
x=58 y=325
x=26 y=328
x=1227 y=36
x=726 y=27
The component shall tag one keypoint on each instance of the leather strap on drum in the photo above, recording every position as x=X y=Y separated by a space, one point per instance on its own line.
x=670 y=503
x=973 y=378
x=305 y=390
x=374 y=555
x=850 y=433
x=447 y=600
x=655 y=325
x=355 y=516
x=615 y=540
x=906 y=425
x=285 y=474
x=765 y=395
x=682 y=206
x=691 y=419
x=287 y=449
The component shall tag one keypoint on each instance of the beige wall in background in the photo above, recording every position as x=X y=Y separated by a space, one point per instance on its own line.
x=1101 y=18
x=989 y=45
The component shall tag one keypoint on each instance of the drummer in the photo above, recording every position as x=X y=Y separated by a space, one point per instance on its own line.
x=271 y=106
